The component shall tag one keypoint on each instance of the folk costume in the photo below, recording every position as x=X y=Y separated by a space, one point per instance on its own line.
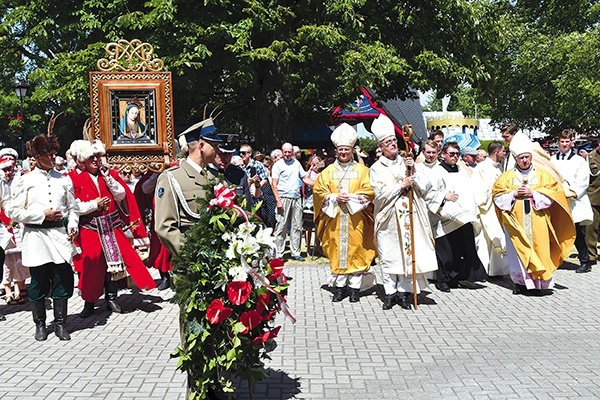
x=106 y=253
x=392 y=224
x=492 y=244
x=14 y=271
x=44 y=201
x=576 y=172
x=345 y=230
x=539 y=230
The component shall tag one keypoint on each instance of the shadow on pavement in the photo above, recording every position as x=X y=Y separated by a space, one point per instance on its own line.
x=279 y=385
x=129 y=302
x=378 y=291
x=569 y=266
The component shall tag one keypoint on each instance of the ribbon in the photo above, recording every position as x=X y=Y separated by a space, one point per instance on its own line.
x=282 y=303
x=225 y=198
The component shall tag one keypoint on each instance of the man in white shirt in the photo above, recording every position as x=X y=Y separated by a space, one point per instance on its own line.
x=285 y=175
x=576 y=172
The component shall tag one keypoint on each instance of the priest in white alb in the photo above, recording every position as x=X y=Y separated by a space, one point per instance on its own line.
x=491 y=242
x=391 y=180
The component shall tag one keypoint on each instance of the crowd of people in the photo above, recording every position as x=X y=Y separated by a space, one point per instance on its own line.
x=452 y=215
x=455 y=216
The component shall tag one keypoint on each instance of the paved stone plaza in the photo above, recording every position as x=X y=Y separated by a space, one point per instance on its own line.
x=481 y=343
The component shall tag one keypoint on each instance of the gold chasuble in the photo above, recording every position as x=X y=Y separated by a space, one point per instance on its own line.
x=345 y=229
x=541 y=238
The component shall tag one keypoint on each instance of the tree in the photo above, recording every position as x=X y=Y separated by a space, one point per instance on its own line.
x=270 y=64
x=547 y=73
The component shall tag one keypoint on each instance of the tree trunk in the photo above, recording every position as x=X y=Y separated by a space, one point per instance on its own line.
x=273 y=112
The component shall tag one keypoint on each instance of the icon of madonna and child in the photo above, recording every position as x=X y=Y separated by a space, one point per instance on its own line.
x=131 y=127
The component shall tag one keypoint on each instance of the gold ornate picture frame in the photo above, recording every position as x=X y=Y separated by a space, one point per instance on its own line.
x=131 y=107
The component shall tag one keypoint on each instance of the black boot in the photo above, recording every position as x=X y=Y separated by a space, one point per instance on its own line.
x=389 y=301
x=165 y=281
x=404 y=300
x=520 y=289
x=110 y=296
x=88 y=309
x=38 y=309
x=354 y=295
x=60 y=319
x=339 y=295
x=584 y=267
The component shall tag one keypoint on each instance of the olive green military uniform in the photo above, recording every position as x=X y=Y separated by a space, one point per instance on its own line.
x=172 y=219
x=592 y=231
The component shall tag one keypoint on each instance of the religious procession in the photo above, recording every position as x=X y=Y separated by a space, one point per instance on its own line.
x=446 y=216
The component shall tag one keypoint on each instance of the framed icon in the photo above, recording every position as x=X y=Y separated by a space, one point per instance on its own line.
x=132 y=115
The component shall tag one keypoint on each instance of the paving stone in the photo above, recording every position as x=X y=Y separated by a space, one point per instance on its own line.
x=469 y=344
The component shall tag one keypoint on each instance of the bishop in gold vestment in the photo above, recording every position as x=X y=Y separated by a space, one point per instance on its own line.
x=534 y=213
x=343 y=215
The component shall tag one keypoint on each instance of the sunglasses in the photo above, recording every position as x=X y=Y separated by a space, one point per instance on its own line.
x=243 y=153
x=453 y=153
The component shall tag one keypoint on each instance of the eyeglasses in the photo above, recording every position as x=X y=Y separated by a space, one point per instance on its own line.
x=389 y=142
x=243 y=153
x=453 y=153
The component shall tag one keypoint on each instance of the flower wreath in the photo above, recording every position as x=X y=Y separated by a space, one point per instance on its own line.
x=229 y=289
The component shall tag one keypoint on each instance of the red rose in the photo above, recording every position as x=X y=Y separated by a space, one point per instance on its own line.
x=239 y=292
x=250 y=319
x=217 y=312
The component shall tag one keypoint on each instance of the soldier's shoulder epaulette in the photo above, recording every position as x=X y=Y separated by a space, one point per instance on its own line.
x=173 y=168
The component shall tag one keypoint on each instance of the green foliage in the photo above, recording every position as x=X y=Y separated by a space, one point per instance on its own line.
x=271 y=65
x=204 y=271
x=367 y=144
x=546 y=75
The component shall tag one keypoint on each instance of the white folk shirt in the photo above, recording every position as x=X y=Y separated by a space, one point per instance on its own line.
x=576 y=172
x=38 y=191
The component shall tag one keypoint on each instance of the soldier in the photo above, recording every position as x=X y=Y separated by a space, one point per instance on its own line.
x=178 y=187
x=592 y=231
x=176 y=192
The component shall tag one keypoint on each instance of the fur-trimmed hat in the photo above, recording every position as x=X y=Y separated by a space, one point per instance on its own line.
x=42 y=145
x=81 y=150
x=344 y=135
x=98 y=147
x=6 y=161
x=7 y=151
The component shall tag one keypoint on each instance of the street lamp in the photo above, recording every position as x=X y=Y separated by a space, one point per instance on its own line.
x=21 y=90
